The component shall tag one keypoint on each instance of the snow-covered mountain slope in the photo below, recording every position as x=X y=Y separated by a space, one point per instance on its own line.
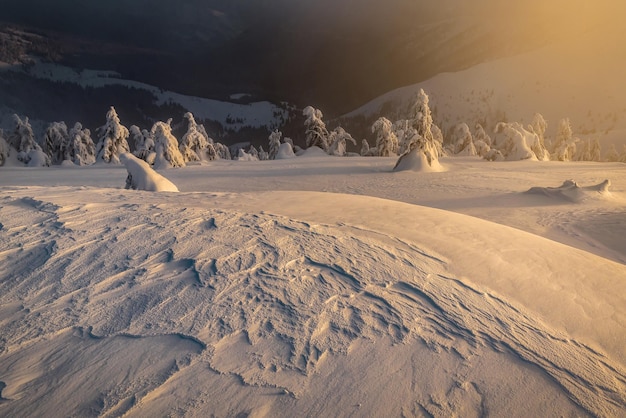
x=230 y=115
x=579 y=77
x=243 y=295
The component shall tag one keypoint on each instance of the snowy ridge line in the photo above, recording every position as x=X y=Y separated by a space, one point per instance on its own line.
x=280 y=291
x=231 y=115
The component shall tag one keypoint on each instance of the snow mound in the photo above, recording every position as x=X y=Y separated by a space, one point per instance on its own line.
x=417 y=161
x=571 y=191
x=142 y=177
x=285 y=151
x=37 y=158
x=313 y=152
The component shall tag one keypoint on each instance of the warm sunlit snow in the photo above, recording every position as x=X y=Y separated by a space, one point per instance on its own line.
x=579 y=77
x=314 y=286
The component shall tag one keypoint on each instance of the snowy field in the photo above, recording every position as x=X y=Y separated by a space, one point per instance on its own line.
x=315 y=286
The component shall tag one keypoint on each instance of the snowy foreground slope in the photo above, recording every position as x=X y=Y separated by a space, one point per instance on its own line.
x=256 y=292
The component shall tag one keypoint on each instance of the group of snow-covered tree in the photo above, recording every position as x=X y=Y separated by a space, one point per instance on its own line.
x=317 y=135
x=21 y=143
x=509 y=141
x=416 y=137
x=157 y=146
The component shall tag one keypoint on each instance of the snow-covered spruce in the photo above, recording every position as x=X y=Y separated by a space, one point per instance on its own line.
x=482 y=141
x=263 y=155
x=244 y=156
x=22 y=139
x=274 y=144
x=144 y=144
x=73 y=147
x=316 y=133
x=113 y=140
x=82 y=150
x=338 y=139
x=564 y=146
x=386 y=140
x=421 y=139
x=56 y=142
x=254 y=152
x=142 y=177
x=194 y=143
x=166 y=146
x=462 y=142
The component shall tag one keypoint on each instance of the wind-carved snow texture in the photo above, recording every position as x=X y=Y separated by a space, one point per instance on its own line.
x=199 y=285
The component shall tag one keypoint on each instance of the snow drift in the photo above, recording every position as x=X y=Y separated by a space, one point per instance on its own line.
x=571 y=191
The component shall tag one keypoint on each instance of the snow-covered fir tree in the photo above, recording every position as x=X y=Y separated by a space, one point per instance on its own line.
x=462 y=142
x=82 y=150
x=422 y=120
x=263 y=155
x=253 y=152
x=338 y=140
x=421 y=139
x=56 y=143
x=113 y=139
x=144 y=144
x=386 y=140
x=274 y=143
x=242 y=155
x=166 y=146
x=539 y=126
x=404 y=132
x=316 y=133
x=22 y=139
x=438 y=139
x=365 y=148
x=564 y=147
x=222 y=151
x=194 y=142
x=482 y=141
